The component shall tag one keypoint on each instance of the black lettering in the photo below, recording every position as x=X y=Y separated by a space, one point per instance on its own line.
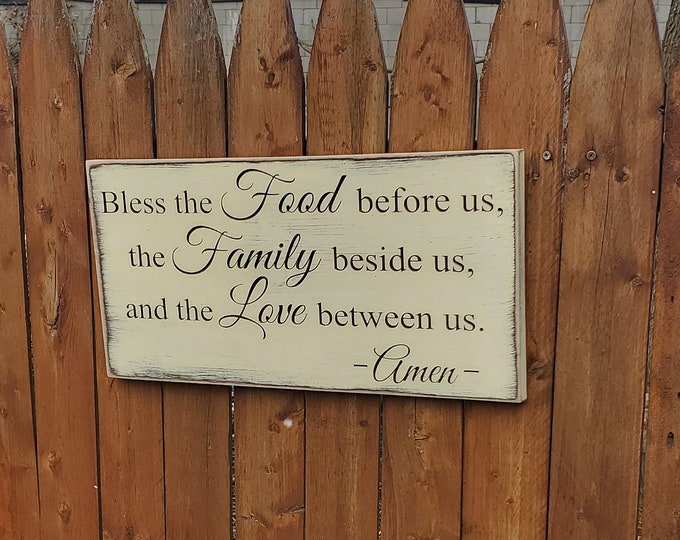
x=109 y=202
x=256 y=292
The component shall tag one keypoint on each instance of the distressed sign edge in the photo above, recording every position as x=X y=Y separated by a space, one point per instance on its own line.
x=519 y=335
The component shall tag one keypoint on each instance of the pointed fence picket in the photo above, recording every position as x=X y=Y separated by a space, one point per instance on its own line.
x=507 y=449
x=18 y=476
x=118 y=119
x=190 y=101
x=346 y=107
x=266 y=116
x=85 y=456
x=610 y=201
x=660 y=516
x=58 y=262
x=434 y=87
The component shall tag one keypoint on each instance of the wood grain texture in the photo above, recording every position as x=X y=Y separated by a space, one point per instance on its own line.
x=118 y=116
x=660 y=503
x=265 y=118
x=611 y=193
x=347 y=81
x=341 y=475
x=190 y=83
x=507 y=448
x=266 y=83
x=190 y=100
x=421 y=468
x=269 y=442
x=55 y=214
x=347 y=109
x=434 y=85
x=434 y=81
x=18 y=475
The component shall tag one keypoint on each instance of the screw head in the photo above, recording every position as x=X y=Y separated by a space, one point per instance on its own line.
x=591 y=155
x=547 y=156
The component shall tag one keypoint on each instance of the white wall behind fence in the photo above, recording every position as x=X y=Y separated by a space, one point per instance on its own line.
x=306 y=12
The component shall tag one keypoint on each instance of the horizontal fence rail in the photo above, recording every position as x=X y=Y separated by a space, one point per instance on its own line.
x=86 y=456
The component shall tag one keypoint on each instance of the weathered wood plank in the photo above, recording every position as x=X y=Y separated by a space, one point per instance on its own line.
x=660 y=503
x=347 y=109
x=190 y=100
x=265 y=118
x=55 y=214
x=18 y=475
x=347 y=82
x=190 y=83
x=270 y=453
x=433 y=108
x=610 y=199
x=118 y=115
x=507 y=448
x=266 y=83
x=421 y=468
x=434 y=82
x=341 y=475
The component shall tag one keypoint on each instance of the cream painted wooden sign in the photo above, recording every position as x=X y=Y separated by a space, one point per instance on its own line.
x=399 y=274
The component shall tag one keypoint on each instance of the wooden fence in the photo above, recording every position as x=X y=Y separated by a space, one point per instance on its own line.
x=85 y=457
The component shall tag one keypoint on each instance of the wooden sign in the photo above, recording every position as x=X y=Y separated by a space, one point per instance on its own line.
x=398 y=274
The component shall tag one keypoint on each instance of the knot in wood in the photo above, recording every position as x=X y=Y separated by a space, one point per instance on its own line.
x=621 y=175
x=5 y=116
x=126 y=68
x=370 y=65
x=573 y=173
x=64 y=229
x=45 y=211
x=53 y=460
x=537 y=368
x=64 y=511
x=271 y=79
